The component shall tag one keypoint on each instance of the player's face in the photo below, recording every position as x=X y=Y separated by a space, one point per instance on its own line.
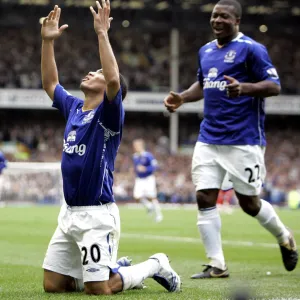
x=138 y=146
x=223 y=21
x=93 y=82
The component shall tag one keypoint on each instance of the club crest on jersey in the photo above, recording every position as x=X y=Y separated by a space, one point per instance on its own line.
x=212 y=73
x=230 y=56
x=88 y=118
x=71 y=136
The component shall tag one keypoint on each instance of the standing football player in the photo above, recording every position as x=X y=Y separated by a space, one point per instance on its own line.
x=235 y=75
x=145 y=184
x=82 y=252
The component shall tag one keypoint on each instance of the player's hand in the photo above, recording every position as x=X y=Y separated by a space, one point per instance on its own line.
x=234 y=88
x=101 y=19
x=50 y=27
x=141 y=168
x=173 y=101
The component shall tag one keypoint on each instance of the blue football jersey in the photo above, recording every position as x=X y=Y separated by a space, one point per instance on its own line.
x=233 y=121
x=147 y=160
x=91 y=142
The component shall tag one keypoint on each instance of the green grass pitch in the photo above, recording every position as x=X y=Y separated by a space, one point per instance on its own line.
x=250 y=251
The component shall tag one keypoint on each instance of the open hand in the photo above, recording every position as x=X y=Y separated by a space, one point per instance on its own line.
x=50 y=29
x=141 y=168
x=101 y=19
x=234 y=88
x=173 y=101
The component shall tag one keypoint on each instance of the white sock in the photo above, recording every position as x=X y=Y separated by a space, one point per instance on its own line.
x=148 y=204
x=134 y=275
x=79 y=285
x=209 y=225
x=268 y=218
x=157 y=208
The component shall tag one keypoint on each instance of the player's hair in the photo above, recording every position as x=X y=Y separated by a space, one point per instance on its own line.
x=140 y=140
x=237 y=6
x=124 y=86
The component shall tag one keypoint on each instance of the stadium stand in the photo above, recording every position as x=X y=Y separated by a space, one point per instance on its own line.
x=143 y=54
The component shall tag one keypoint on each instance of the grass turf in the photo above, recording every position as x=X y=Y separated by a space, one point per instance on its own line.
x=25 y=233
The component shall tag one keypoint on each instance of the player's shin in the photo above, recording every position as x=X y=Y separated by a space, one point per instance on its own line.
x=209 y=225
x=147 y=204
x=157 y=209
x=134 y=275
x=269 y=219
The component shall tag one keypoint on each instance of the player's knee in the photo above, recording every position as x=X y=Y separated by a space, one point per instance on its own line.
x=249 y=204
x=52 y=287
x=206 y=198
x=97 y=288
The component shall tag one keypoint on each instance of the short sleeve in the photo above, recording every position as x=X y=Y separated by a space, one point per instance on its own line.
x=153 y=161
x=199 y=72
x=260 y=64
x=63 y=100
x=113 y=112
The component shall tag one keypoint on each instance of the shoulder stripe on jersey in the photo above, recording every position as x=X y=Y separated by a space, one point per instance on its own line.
x=245 y=41
x=240 y=35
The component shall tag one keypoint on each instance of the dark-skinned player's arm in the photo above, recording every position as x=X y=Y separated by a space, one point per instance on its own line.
x=109 y=64
x=266 y=81
x=174 y=100
x=194 y=93
x=262 y=89
x=49 y=32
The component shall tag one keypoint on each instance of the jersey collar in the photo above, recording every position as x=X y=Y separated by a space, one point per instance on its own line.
x=240 y=35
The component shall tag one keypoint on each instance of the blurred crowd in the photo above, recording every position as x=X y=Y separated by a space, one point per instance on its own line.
x=37 y=137
x=31 y=186
x=143 y=57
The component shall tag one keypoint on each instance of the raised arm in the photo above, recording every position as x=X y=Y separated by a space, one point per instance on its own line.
x=192 y=94
x=50 y=31
x=108 y=61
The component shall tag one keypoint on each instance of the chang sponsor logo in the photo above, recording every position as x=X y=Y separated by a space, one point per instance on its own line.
x=221 y=85
x=77 y=149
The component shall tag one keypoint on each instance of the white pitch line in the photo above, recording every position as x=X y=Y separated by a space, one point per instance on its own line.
x=179 y=239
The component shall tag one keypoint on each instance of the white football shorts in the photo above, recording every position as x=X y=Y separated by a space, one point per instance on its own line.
x=145 y=188
x=225 y=166
x=85 y=243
